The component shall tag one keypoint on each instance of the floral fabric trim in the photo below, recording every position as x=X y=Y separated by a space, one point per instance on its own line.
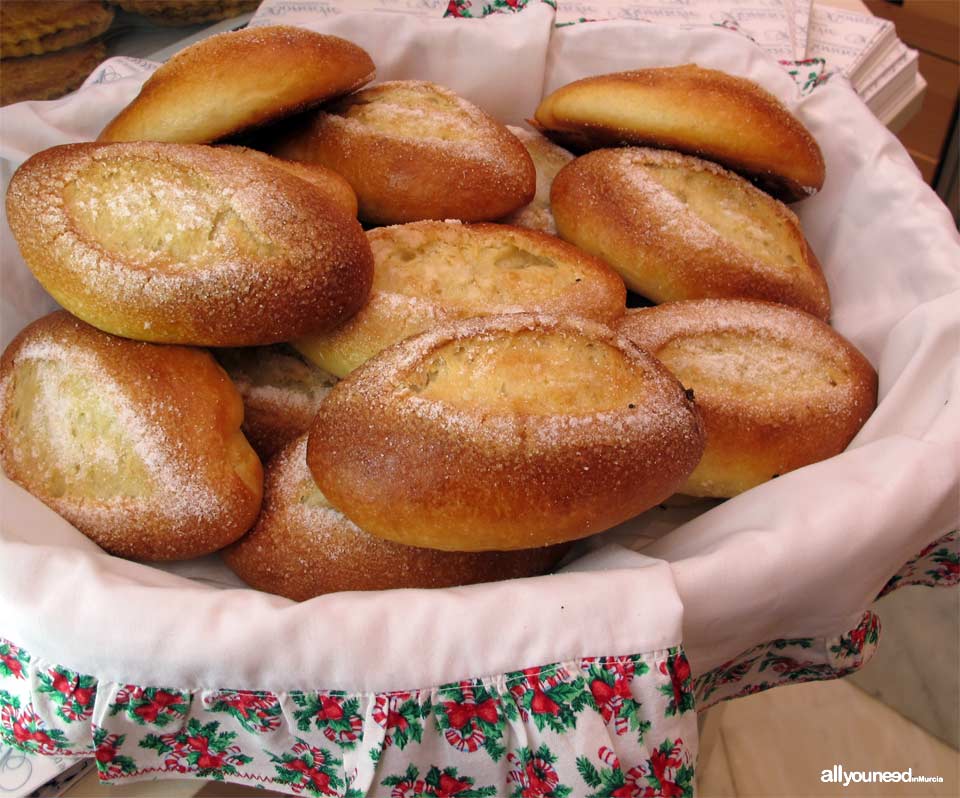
x=467 y=10
x=810 y=659
x=938 y=565
x=804 y=659
x=596 y=726
x=808 y=73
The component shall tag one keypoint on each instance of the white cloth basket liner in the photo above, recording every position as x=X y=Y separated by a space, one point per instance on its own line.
x=799 y=556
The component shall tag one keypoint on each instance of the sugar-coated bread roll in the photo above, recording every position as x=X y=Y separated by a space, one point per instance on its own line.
x=302 y=547
x=137 y=445
x=693 y=110
x=187 y=244
x=427 y=272
x=777 y=388
x=677 y=227
x=505 y=432
x=414 y=150
x=548 y=159
x=237 y=80
x=281 y=393
x=329 y=182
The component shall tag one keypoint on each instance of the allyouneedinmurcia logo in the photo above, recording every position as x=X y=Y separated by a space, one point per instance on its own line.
x=837 y=775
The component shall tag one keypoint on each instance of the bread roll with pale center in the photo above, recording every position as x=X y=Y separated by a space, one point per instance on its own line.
x=428 y=272
x=187 y=244
x=302 y=547
x=703 y=112
x=777 y=388
x=414 y=150
x=501 y=433
x=137 y=445
x=677 y=227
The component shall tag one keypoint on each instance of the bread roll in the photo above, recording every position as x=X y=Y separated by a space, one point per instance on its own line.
x=677 y=227
x=302 y=547
x=31 y=28
x=414 y=150
x=777 y=388
x=693 y=110
x=505 y=432
x=281 y=393
x=138 y=446
x=237 y=80
x=427 y=272
x=334 y=187
x=548 y=159
x=175 y=13
x=48 y=76
x=179 y=243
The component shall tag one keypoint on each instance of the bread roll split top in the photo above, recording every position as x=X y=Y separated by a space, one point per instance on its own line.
x=236 y=80
x=702 y=112
x=414 y=150
x=502 y=433
x=777 y=388
x=137 y=445
x=677 y=227
x=428 y=272
x=179 y=243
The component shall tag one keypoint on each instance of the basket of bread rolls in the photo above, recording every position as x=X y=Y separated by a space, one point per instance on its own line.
x=437 y=415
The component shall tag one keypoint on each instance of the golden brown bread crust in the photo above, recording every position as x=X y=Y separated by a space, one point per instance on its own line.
x=414 y=150
x=238 y=80
x=329 y=182
x=179 y=243
x=138 y=446
x=302 y=547
x=548 y=159
x=281 y=393
x=186 y=12
x=777 y=388
x=677 y=227
x=35 y=28
x=427 y=272
x=46 y=77
x=505 y=432
x=697 y=111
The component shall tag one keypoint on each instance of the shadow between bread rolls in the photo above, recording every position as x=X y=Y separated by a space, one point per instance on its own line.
x=303 y=547
x=281 y=392
x=505 y=432
x=187 y=244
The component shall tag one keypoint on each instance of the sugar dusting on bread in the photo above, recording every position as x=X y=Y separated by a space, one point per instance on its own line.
x=186 y=244
x=777 y=388
x=172 y=490
x=741 y=353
